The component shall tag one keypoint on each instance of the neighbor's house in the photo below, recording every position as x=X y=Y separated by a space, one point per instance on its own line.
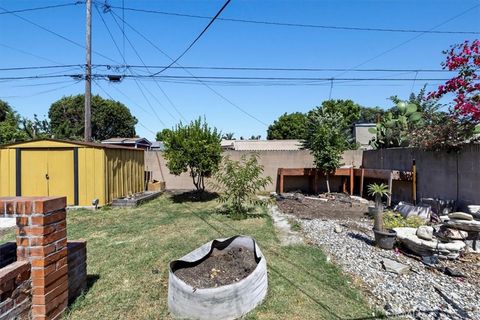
x=363 y=136
x=137 y=143
x=81 y=171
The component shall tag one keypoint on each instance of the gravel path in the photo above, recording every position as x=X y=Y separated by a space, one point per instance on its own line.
x=420 y=294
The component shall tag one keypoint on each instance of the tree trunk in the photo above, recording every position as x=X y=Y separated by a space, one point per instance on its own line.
x=378 y=224
x=328 y=182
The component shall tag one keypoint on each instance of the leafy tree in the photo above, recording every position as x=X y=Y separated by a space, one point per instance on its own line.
x=228 y=136
x=349 y=111
x=161 y=135
x=370 y=115
x=326 y=140
x=254 y=137
x=239 y=182
x=194 y=148
x=288 y=126
x=36 y=128
x=10 y=125
x=465 y=59
x=109 y=118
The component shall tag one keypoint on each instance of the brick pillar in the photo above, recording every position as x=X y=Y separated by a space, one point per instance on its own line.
x=42 y=240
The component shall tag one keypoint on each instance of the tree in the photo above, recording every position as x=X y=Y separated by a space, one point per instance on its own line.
x=194 y=148
x=370 y=115
x=162 y=135
x=288 y=126
x=326 y=140
x=465 y=59
x=10 y=125
x=228 y=136
x=109 y=118
x=36 y=128
x=239 y=182
x=254 y=137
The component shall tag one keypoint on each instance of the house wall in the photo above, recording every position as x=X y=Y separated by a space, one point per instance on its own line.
x=271 y=160
x=454 y=176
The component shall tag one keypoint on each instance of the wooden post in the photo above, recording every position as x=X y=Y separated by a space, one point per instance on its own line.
x=88 y=73
x=362 y=177
x=390 y=185
x=280 y=187
x=352 y=181
x=344 y=185
x=414 y=182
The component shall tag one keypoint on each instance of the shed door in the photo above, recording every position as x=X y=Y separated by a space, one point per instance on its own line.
x=48 y=172
x=34 y=169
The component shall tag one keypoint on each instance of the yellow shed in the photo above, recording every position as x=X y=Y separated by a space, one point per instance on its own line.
x=80 y=171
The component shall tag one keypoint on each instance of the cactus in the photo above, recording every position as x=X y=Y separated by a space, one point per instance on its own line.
x=393 y=130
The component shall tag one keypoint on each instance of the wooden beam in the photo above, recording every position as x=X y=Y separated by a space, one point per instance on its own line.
x=280 y=186
x=362 y=175
x=352 y=181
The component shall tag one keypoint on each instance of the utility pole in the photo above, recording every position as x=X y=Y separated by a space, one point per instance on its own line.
x=88 y=74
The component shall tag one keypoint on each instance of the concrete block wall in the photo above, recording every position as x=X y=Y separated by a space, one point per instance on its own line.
x=271 y=160
x=446 y=175
x=42 y=246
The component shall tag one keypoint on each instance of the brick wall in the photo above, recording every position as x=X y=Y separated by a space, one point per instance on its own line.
x=15 y=291
x=42 y=245
x=77 y=268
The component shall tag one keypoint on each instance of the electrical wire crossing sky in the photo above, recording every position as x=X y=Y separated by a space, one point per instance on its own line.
x=239 y=64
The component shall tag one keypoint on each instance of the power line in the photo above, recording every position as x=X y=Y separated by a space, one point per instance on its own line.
x=298 y=25
x=410 y=39
x=123 y=58
x=197 y=38
x=156 y=82
x=30 y=54
x=42 y=8
x=187 y=71
x=54 y=33
x=226 y=68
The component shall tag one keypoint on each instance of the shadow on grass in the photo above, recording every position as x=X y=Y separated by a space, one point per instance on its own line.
x=91 y=279
x=194 y=196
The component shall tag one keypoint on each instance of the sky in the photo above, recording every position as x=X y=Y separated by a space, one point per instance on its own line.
x=243 y=107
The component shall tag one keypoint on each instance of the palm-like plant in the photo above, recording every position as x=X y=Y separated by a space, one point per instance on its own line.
x=378 y=191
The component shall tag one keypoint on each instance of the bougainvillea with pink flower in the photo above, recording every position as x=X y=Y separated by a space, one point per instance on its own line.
x=465 y=86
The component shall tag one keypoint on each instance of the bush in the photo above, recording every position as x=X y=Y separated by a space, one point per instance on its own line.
x=392 y=219
x=239 y=182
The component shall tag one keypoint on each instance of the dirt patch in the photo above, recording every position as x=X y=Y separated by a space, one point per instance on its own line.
x=220 y=269
x=339 y=206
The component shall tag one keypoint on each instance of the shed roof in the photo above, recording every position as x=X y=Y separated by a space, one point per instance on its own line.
x=60 y=141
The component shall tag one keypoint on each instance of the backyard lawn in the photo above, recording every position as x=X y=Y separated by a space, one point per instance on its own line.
x=129 y=249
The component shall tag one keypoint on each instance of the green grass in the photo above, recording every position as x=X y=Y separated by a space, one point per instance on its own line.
x=129 y=249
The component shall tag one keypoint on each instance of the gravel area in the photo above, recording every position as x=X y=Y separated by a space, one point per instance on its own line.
x=420 y=294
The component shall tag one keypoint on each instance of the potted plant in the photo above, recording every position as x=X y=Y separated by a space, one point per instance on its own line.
x=384 y=239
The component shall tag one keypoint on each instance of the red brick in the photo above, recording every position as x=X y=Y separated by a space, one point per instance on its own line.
x=36 y=230
x=52 y=237
x=54 y=293
x=50 y=204
x=50 y=218
x=23 y=242
x=62 y=262
x=22 y=221
x=42 y=251
x=48 y=260
x=51 y=278
x=43 y=272
x=6 y=305
x=10 y=207
x=42 y=290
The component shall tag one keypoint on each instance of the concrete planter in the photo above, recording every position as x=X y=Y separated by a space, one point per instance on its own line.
x=226 y=302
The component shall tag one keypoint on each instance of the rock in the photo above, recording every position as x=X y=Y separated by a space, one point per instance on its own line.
x=394 y=266
x=453 y=273
x=467 y=225
x=408 y=237
x=444 y=218
x=425 y=232
x=460 y=216
x=359 y=199
x=474 y=210
x=409 y=210
x=317 y=199
x=338 y=229
x=451 y=234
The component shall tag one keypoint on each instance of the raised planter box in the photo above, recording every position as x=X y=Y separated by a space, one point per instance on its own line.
x=136 y=200
x=230 y=301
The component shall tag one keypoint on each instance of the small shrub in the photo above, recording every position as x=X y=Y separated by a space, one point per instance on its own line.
x=239 y=182
x=392 y=219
